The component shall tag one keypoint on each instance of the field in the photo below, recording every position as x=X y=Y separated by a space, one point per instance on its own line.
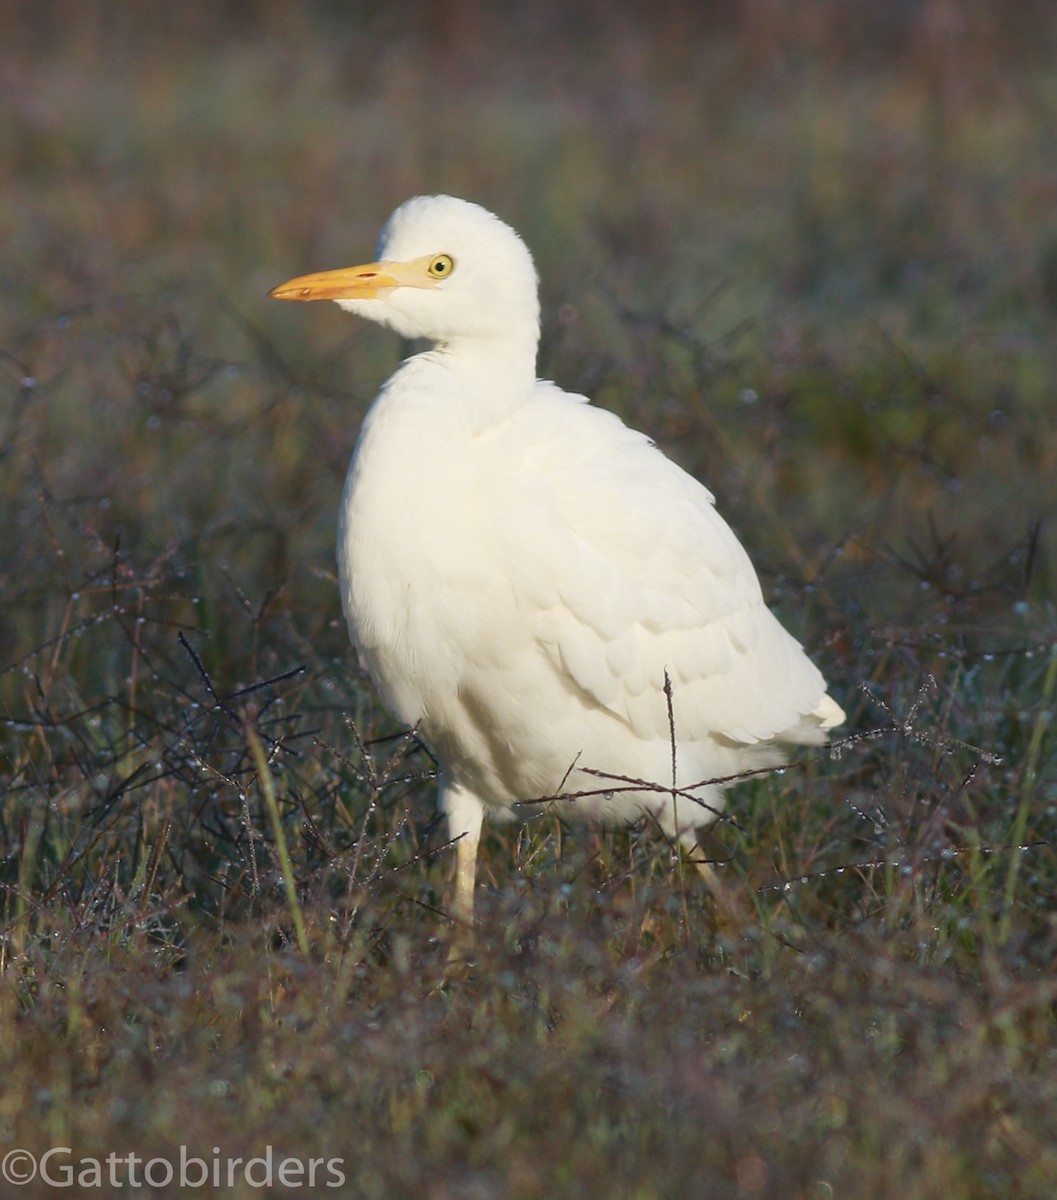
x=812 y=250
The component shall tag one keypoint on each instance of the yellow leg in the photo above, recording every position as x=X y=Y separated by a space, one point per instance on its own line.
x=465 y=815
x=465 y=876
x=731 y=899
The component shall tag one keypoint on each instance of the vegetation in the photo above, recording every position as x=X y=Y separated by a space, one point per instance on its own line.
x=814 y=252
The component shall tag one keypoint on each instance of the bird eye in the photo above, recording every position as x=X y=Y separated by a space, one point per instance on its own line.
x=442 y=266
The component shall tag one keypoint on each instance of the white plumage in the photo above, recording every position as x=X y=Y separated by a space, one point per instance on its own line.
x=520 y=571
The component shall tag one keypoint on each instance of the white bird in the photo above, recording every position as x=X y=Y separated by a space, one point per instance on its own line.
x=521 y=572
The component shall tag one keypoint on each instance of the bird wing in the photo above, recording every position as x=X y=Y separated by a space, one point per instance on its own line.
x=631 y=573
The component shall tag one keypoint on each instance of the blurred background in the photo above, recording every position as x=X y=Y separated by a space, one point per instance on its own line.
x=811 y=248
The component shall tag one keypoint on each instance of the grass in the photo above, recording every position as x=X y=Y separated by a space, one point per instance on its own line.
x=815 y=257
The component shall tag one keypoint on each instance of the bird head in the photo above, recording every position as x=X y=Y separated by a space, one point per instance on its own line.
x=446 y=270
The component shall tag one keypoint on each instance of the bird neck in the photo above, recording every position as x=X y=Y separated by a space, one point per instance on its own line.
x=499 y=373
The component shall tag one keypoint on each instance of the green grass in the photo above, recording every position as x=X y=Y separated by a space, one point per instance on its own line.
x=815 y=257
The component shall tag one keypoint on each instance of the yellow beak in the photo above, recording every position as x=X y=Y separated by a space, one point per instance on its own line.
x=356 y=283
x=347 y=283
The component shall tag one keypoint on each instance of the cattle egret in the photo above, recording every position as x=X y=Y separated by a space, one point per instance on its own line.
x=550 y=601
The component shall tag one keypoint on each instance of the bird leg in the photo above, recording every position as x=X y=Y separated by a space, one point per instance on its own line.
x=465 y=815
x=460 y=949
x=730 y=898
x=465 y=877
